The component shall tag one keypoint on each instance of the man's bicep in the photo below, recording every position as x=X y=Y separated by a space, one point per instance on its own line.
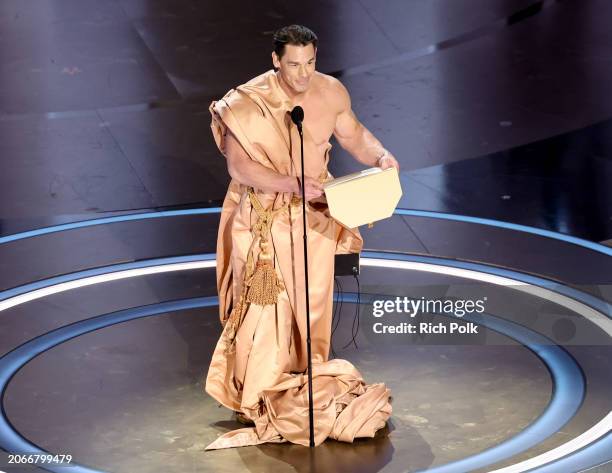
x=347 y=127
x=347 y=124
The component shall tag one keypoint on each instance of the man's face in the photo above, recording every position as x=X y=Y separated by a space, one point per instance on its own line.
x=296 y=66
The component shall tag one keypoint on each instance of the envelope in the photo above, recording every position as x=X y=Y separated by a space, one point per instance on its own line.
x=363 y=197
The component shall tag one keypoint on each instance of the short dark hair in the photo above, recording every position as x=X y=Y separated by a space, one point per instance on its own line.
x=293 y=34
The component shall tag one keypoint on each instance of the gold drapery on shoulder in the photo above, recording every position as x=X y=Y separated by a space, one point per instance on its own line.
x=259 y=363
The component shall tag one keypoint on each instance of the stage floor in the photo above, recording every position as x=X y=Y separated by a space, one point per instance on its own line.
x=111 y=370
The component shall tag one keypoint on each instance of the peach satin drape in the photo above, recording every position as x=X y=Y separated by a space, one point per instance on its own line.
x=260 y=371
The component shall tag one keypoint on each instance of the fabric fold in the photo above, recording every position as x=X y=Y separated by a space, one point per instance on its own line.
x=345 y=408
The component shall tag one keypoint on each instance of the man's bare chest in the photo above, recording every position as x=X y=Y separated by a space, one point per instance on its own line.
x=319 y=119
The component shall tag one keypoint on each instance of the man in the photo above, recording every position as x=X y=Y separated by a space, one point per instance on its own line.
x=259 y=364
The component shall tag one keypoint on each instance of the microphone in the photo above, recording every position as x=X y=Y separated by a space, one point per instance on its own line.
x=297 y=116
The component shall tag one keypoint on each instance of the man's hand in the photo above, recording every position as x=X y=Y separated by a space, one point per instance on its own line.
x=312 y=188
x=388 y=161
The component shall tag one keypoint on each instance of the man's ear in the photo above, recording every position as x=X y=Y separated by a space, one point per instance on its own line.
x=275 y=60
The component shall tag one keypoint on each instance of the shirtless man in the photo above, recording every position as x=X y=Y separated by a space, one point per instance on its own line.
x=327 y=110
x=255 y=368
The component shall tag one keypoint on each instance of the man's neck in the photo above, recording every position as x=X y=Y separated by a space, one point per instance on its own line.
x=295 y=97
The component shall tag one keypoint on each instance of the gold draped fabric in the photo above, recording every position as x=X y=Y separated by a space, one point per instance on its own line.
x=259 y=364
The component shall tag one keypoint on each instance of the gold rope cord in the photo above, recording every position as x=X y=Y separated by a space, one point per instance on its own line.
x=261 y=284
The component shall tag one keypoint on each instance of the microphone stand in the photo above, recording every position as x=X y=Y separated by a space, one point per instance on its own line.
x=308 y=343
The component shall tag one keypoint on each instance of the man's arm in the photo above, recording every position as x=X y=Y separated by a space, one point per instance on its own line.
x=248 y=172
x=356 y=138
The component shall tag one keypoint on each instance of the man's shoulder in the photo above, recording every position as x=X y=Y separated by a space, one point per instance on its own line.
x=260 y=80
x=328 y=82
x=244 y=97
x=332 y=89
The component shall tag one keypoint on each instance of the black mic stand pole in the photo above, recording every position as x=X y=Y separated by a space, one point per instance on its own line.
x=308 y=344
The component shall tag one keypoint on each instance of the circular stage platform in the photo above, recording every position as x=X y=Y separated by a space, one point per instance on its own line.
x=105 y=360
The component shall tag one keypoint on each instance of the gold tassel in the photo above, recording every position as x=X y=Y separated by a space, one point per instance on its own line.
x=260 y=285
x=264 y=284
